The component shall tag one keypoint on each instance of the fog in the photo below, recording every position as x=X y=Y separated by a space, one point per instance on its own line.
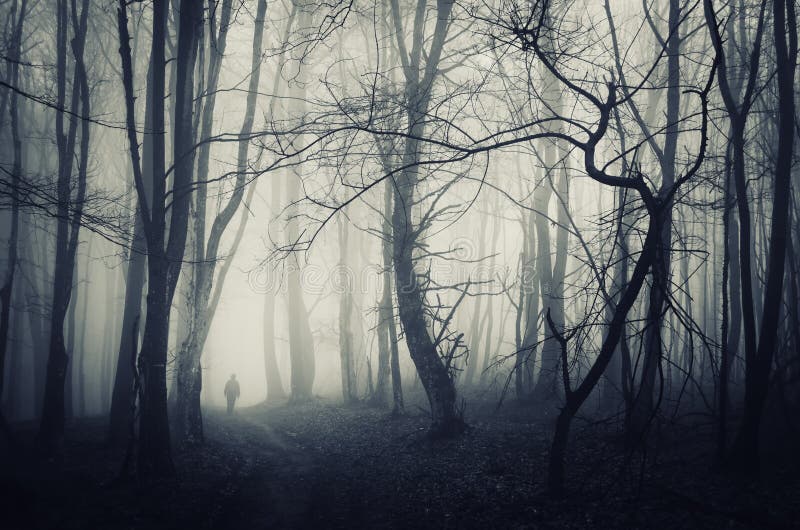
x=585 y=209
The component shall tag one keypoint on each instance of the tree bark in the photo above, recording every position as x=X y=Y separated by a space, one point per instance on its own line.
x=432 y=371
x=346 y=347
x=16 y=170
x=51 y=428
x=643 y=405
x=746 y=447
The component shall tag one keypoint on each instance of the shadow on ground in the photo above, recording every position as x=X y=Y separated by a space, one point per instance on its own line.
x=320 y=465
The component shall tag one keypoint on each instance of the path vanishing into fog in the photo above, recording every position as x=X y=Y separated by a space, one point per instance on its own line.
x=275 y=483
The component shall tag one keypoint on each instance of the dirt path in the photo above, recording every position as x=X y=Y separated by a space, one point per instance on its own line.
x=277 y=484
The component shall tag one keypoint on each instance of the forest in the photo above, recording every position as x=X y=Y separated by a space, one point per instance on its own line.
x=399 y=264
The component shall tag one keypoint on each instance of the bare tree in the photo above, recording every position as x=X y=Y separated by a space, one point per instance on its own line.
x=51 y=430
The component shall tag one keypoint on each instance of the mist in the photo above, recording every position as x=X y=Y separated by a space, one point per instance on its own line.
x=538 y=256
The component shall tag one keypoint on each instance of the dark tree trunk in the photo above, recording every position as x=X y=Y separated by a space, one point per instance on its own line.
x=746 y=447
x=165 y=267
x=576 y=398
x=51 y=430
x=614 y=380
x=120 y=413
x=643 y=410
x=432 y=372
x=16 y=170
x=550 y=271
x=199 y=314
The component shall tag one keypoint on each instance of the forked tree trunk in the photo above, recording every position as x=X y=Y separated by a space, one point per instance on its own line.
x=746 y=447
x=51 y=429
x=6 y=290
x=643 y=405
x=576 y=398
x=432 y=372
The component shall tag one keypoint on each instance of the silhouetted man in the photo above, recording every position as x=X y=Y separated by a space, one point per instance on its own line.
x=231 y=392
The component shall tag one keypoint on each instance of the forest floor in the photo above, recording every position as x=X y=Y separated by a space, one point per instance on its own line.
x=322 y=465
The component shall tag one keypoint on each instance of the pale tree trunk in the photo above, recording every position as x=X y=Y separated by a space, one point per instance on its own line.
x=526 y=376
x=528 y=312
x=120 y=412
x=489 y=319
x=551 y=272
x=381 y=396
x=346 y=346
x=80 y=346
x=108 y=338
x=275 y=390
x=38 y=324
x=301 y=341
x=477 y=314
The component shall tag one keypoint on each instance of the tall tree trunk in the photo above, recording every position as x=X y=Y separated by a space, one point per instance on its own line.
x=51 y=429
x=741 y=276
x=38 y=325
x=433 y=373
x=487 y=345
x=120 y=412
x=388 y=361
x=79 y=346
x=614 y=379
x=275 y=390
x=746 y=447
x=189 y=372
x=301 y=342
x=575 y=398
x=120 y=416
x=528 y=310
x=108 y=338
x=643 y=404
x=164 y=263
x=16 y=170
x=551 y=272
x=346 y=346
x=477 y=314
x=386 y=313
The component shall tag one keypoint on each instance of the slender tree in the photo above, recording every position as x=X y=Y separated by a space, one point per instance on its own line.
x=69 y=209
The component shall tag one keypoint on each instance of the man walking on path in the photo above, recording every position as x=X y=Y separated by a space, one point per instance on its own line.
x=231 y=392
